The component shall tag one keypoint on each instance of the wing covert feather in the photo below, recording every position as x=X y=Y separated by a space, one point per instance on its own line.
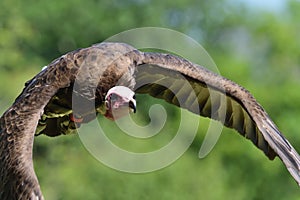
x=240 y=111
x=102 y=66
x=18 y=125
x=168 y=77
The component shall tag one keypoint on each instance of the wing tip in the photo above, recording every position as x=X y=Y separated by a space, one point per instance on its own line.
x=295 y=173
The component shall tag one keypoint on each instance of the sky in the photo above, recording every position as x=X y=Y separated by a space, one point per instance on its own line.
x=269 y=5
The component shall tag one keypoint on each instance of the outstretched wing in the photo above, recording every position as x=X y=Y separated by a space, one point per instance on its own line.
x=168 y=77
x=19 y=123
x=45 y=104
x=203 y=92
x=17 y=129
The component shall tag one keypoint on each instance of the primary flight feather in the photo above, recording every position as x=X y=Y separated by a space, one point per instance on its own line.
x=106 y=76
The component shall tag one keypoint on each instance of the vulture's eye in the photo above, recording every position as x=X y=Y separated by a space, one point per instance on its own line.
x=114 y=97
x=133 y=97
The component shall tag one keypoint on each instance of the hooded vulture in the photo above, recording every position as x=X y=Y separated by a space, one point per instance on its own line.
x=106 y=75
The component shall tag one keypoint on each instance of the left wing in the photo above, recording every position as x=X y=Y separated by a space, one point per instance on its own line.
x=203 y=92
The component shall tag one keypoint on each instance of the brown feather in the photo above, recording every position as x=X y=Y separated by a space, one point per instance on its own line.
x=243 y=112
x=87 y=74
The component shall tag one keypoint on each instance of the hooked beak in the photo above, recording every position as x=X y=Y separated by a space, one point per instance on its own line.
x=132 y=105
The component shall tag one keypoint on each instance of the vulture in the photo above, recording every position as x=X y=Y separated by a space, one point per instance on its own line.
x=103 y=79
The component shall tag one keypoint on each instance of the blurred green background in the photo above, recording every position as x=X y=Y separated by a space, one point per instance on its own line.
x=256 y=46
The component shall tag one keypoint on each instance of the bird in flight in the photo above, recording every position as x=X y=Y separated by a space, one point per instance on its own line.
x=104 y=78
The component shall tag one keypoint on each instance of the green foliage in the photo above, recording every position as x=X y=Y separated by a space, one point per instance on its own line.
x=257 y=49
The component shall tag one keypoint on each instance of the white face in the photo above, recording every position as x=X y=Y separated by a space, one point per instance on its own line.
x=119 y=101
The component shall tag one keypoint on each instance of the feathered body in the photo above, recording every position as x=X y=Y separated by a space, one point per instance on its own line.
x=46 y=105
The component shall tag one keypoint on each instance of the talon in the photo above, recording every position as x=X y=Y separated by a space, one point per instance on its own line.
x=76 y=118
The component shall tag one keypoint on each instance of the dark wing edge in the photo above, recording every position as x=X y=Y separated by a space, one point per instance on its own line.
x=162 y=75
x=18 y=125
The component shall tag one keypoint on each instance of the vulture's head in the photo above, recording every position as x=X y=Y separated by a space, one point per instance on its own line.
x=119 y=102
